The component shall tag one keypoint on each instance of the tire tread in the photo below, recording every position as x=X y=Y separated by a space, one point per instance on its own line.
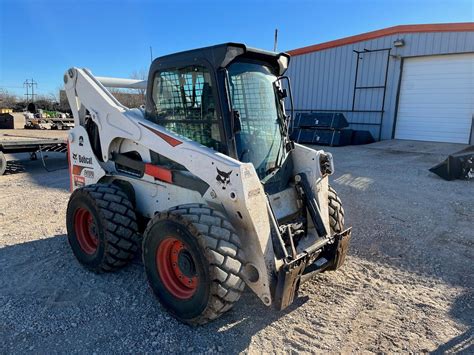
x=120 y=227
x=336 y=211
x=224 y=254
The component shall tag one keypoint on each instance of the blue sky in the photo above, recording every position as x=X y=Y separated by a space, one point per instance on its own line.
x=41 y=39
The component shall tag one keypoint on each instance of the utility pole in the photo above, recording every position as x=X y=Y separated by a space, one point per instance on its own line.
x=275 y=43
x=30 y=84
x=151 y=55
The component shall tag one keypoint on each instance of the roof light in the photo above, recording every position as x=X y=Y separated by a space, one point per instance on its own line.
x=398 y=43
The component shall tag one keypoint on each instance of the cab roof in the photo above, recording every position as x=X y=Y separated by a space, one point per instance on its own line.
x=221 y=55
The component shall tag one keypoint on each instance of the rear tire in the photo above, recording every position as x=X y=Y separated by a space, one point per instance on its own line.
x=336 y=211
x=193 y=262
x=3 y=164
x=102 y=227
x=336 y=221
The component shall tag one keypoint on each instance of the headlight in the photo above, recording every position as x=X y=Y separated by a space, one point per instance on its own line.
x=326 y=165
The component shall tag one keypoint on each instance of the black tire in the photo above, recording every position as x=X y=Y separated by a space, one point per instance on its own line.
x=218 y=260
x=336 y=211
x=336 y=221
x=3 y=164
x=108 y=240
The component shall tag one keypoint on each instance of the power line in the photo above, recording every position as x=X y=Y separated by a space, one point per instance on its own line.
x=30 y=84
x=11 y=86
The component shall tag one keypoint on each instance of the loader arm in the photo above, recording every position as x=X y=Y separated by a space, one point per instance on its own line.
x=241 y=197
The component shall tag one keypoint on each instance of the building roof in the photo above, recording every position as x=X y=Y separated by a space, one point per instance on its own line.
x=439 y=27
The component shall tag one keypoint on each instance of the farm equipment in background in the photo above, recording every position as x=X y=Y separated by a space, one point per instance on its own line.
x=205 y=178
x=40 y=119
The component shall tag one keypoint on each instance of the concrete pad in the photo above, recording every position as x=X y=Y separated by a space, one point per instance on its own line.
x=420 y=147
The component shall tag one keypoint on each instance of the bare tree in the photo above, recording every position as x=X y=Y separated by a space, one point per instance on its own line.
x=140 y=74
x=7 y=100
x=131 y=97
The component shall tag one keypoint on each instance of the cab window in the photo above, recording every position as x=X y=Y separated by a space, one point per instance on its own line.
x=184 y=103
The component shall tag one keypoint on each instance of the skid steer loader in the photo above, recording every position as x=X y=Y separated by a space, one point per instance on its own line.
x=205 y=179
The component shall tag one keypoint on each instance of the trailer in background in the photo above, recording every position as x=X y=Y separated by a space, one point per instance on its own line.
x=11 y=144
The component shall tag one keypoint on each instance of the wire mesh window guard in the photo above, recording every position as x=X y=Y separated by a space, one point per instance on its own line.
x=253 y=95
x=184 y=104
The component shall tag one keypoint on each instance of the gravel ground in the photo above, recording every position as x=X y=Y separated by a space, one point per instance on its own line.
x=407 y=284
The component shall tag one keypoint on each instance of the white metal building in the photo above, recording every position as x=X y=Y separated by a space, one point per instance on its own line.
x=406 y=82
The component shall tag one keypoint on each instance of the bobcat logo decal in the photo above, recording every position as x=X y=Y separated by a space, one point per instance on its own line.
x=223 y=178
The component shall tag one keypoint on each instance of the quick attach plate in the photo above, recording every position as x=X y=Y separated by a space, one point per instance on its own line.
x=297 y=271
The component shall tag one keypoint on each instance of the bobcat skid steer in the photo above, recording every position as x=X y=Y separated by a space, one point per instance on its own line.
x=205 y=179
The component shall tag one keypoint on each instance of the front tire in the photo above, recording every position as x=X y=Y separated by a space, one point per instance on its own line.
x=102 y=227
x=193 y=262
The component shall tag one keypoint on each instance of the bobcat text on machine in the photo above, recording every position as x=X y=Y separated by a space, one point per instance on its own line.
x=205 y=178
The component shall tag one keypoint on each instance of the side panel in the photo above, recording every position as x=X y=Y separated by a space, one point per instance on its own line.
x=85 y=168
x=152 y=197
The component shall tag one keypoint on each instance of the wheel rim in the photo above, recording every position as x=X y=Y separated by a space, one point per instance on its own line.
x=86 y=232
x=177 y=268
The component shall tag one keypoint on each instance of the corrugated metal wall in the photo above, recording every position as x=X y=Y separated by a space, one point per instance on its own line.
x=324 y=80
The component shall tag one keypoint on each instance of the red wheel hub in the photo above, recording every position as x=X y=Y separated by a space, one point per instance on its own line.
x=86 y=231
x=176 y=268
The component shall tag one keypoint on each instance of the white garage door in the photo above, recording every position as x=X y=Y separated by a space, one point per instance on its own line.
x=436 y=98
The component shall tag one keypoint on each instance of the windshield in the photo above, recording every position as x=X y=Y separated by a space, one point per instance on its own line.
x=253 y=95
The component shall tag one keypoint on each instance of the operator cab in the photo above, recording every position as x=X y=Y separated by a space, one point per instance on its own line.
x=227 y=97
